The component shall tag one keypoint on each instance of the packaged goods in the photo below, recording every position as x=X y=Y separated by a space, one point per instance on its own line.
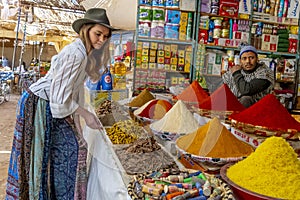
x=272 y=170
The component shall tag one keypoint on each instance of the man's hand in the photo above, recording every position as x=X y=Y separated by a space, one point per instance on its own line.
x=235 y=68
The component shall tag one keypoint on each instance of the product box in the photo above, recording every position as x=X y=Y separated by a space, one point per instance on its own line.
x=180 y=68
x=160 y=53
x=184 y=18
x=167 y=54
x=237 y=35
x=202 y=36
x=160 y=66
x=167 y=60
x=167 y=67
x=187 y=67
x=173 y=67
x=167 y=47
x=160 y=60
x=154 y=45
x=181 y=53
x=174 y=61
x=174 y=47
x=229 y=8
x=152 y=52
x=152 y=65
x=173 y=16
x=180 y=61
x=145 y=52
x=145 y=59
x=174 y=80
x=152 y=59
x=145 y=65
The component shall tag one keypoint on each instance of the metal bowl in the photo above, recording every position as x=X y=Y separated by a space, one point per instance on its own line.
x=239 y=192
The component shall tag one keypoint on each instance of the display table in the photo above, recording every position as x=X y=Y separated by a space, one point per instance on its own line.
x=107 y=177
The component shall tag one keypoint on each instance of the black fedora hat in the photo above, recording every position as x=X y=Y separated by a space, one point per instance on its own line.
x=92 y=16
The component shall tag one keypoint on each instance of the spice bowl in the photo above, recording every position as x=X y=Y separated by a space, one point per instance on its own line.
x=240 y=192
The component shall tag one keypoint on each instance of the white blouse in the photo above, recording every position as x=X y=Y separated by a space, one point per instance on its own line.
x=63 y=85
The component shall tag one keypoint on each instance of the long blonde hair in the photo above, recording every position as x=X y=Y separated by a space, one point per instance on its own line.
x=97 y=58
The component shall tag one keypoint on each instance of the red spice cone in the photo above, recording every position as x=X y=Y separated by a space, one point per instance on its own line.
x=222 y=99
x=194 y=93
x=267 y=112
x=155 y=106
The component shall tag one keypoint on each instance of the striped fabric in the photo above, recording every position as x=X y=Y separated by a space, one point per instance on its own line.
x=48 y=159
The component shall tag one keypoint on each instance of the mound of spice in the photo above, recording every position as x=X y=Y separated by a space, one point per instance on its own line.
x=222 y=99
x=154 y=109
x=268 y=112
x=141 y=99
x=177 y=120
x=272 y=170
x=214 y=140
x=194 y=93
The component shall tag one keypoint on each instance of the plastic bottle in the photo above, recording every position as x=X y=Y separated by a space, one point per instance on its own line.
x=119 y=67
x=106 y=80
x=211 y=31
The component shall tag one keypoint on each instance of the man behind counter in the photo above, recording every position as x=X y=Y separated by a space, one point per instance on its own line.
x=251 y=80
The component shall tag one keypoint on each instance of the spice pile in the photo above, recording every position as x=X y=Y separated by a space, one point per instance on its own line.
x=268 y=113
x=144 y=155
x=125 y=132
x=214 y=140
x=222 y=99
x=178 y=120
x=178 y=185
x=141 y=99
x=272 y=170
x=194 y=93
x=154 y=109
x=109 y=113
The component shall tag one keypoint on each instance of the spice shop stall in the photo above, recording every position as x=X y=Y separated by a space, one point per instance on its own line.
x=149 y=137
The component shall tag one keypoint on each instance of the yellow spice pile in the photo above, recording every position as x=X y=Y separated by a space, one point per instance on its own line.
x=272 y=170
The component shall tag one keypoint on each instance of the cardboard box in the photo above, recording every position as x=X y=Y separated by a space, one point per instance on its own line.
x=160 y=60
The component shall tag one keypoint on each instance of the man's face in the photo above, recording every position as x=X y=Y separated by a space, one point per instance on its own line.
x=248 y=61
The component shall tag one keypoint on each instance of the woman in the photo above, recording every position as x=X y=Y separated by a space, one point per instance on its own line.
x=48 y=159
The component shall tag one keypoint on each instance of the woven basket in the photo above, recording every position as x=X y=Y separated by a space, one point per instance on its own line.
x=291 y=134
x=208 y=160
x=222 y=115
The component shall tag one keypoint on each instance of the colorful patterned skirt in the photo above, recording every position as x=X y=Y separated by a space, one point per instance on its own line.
x=48 y=157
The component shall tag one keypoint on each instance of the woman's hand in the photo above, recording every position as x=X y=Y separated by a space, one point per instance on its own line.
x=90 y=119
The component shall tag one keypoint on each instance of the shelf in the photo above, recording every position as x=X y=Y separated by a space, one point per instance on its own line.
x=228 y=17
x=259 y=51
x=167 y=8
x=167 y=41
x=221 y=47
x=278 y=53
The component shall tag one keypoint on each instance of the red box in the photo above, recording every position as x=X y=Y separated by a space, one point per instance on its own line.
x=266 y=38
x=229 y=8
